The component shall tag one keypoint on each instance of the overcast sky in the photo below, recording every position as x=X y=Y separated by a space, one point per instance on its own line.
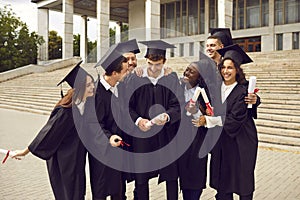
x=27 y=12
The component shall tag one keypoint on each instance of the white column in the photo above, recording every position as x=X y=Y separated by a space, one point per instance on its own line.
x=118 y=32
x=43 y=30
x=268 y=41
x=287 y=41
x=136 y=20
x=68 y=11
x=225 y=8
x=83 y=38
x=102 y=27
x=152 y=19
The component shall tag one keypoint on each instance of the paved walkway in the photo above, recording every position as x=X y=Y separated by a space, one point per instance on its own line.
x=277 y=171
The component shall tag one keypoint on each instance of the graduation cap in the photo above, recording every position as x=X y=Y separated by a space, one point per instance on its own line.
x=224 y=35
x=129 y=46
x=76 y=73
x=112 y=58
x=157 y=47
x=236 y=53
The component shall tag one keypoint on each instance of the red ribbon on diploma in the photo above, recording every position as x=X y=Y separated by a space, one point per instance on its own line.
x=6 y=156
x=124 y=143
x=210 y=109
x=256 y=90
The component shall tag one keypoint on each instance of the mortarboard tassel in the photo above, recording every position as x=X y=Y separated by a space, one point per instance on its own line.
x=61 y=91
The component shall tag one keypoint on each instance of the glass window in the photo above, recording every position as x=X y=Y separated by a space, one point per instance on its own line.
x=265 y=13
x=193 y=17
x=170 y=20
x=234 y=18
x=178 y=19
x=181 y=49
x=184 y=17
x=162 y=20
x=212 y=14
x=291 y=11
x=253 y=13
x=191 y=49
x=296 y=40
x=278 y=12
x=279 y=41
x=240 y=14
x=202 y=16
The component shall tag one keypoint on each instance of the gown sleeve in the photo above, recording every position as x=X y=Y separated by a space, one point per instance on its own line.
x=47 y=141
x=236 y=114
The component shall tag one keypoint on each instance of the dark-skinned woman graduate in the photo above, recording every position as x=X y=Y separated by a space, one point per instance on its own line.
x=236 y=157
x=58 y=142
x=192 y=168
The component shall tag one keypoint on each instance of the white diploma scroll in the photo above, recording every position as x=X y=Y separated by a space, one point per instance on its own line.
x=206 y=100
x=7 y=154
x=194 y=99
x=251 y=87
x=153 y=121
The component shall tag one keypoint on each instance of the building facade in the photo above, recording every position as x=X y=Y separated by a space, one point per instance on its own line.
x=256 y=25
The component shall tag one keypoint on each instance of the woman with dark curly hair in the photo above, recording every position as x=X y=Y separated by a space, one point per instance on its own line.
x=234 y=156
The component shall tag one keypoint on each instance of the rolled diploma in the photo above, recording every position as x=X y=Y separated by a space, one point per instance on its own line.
x=4 y=151
x=194 y=98
x=206 y=100
x=152 y=121
x=251 y=87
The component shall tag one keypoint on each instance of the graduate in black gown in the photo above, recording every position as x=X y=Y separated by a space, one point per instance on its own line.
x=235 y=158
x=58 y=142
x=192 y=168
x=151 y=95
x=105 y=180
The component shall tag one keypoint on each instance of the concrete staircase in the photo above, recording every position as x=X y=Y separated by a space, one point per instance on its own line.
x=278 y=78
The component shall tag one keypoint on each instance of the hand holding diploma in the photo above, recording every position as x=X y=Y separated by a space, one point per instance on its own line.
x=13 y=154
x=159 y=120
x=115 y=140
x=251 y=98
x=207 y=103
x=194 y=99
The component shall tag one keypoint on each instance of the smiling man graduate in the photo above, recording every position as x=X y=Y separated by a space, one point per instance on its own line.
x=154 y=94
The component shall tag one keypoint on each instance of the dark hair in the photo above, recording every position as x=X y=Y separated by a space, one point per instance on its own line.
x=215 y=37
x=240 y=75
x=116 y=66
x=74 y=93
x=156 y=57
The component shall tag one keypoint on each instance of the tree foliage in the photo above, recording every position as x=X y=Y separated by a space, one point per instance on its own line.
x=54 y=45
x=18 y=47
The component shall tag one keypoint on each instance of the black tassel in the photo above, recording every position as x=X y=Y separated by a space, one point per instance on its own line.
x=61 y=91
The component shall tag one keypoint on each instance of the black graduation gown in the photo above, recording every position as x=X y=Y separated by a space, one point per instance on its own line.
x=104 y=180
x=59 y=144
x=234 y=157
x=192 y=169
x=145 y=95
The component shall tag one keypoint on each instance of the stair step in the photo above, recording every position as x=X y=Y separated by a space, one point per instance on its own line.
x=281 y=118
x=25 y=109
x=280 y=96
x=281 y=126
x=43 y=107
x=271 y=111
x=42 y=95
x=282 y=140
x=29 y=100
x=278 y=131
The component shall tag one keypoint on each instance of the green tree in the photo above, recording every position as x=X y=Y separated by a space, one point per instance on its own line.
x=76 y=45
x=54 y=45
x=18 y=47
x=92 y=51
